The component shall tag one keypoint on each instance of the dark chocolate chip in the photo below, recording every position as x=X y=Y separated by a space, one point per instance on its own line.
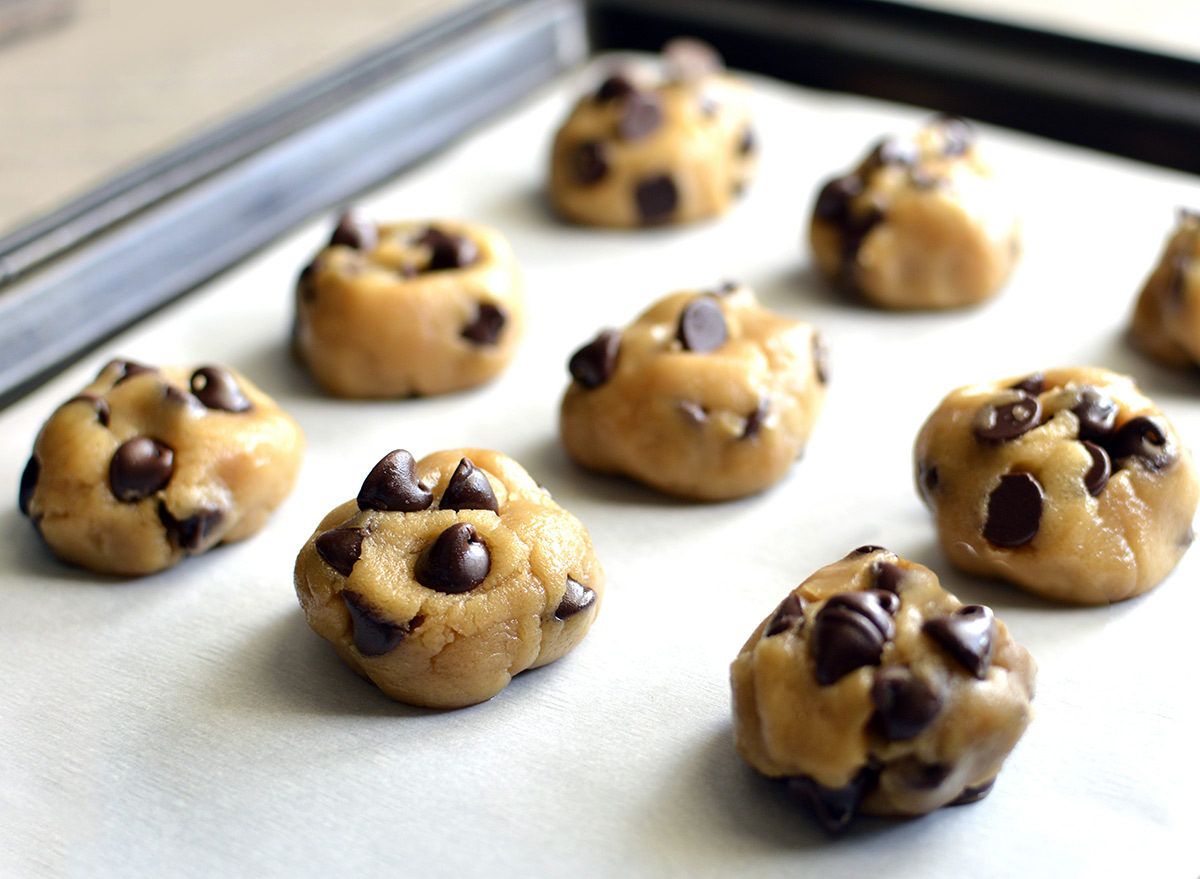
x=1014 y=510
x=1144 y=438
x=1032 y=384
x=98 y=404
x=29 y=480
x=788 y=616
x=1097 y=413
x=968 y=634
x=656 y=198
x=374 y=635
x=957 y=134
x=457 y=561
x=616 y=86
x=594 y=363
x=341 y=548
x=1001 y=422
x=693 y=412
x=927 y=477
x=448 y=251
x=973 y=794
x=888 y=576
x=589 y=162
x=748 y=143
x=486 y=326
x=904 y=703
x=640 y=116
x=304 y=282
x=140 y=467
x=891 y=151
x=355 y=232
x=576 y=599
x=833 y=203
x=851 y=631
x=690 y=59
x=216 y=388
x=754 y=421
x=392 y=485
x=1097 y=475
x=867 y=549
x=191 y=533
x=833 y=807
x=129 y=369
x=468 y=489
x=820 y=356
x=702 y=326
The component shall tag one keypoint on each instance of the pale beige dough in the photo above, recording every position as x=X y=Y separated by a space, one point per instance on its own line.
x=1166 y=321
x=871 y=689
x=1069 y=483
x=360 y=582
x=149 y=465
x=703 y=424
x=377 y=316
x=921 y=223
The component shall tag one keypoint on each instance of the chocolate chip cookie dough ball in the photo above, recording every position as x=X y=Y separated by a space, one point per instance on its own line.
x=413 y=308
x=447 y=576
x=650 y=147
x=920 y=223
x=146 y=466
x=1166 y=322
x=1069 y=483
x=707 y=395
x=871 y=689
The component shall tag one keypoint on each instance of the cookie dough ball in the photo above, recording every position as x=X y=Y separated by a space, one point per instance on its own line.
x=649 y=147
x=448 y=576
x=1166 y=322
x=1069 y=483
x=407 y=309
x=871 y=689
x=707 y=395
x=920 y=223
x=145 y=466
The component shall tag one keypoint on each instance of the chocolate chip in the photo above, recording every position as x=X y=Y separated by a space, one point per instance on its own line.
x=754 y=421
x=140 y=467
x=851 y=631
x=304 y=283
x=820 y=356
x=98 y=404
x=576 y=599
x=448 y=251
x=904 y=703
x=891 y=151
x=594 y=363
x=957 y=135
x=656 y=198
x=341 y=548
x=468 y=489
x=392 y=485
x=927 y=475
x=1144 y=438
x=702 y=326
x=457 y=561
x=29 y=480
x=854 y=230
x=968 y=635
x=589 y=162
x=867 y=549
x=1014 y=510
x=192 y=533
x=1001 y=422
x=833 y=807
x=486 y=326
x=973 y=794
x=374 y=635
x=354 y=232
x=833 y=203
x=693 y=412
x=690 y=59
x=129 y=369
x=1097 y=475
x=216 y=388
x=1097 y=413
x=640 y=116
x=888 y=576
x=922 y=776
x=748 y=143
x=1032 y=385
x=616 y=86
x=788 y=616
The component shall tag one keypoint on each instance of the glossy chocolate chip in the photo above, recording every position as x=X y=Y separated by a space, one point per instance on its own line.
x=304 y=282
x=589 y=162
x=1097 y=413
x=1003 y=421
x=789 y=616
x=354 y=232
x=616 y=86
x=1145 y=439
x=702 y=326
x=968 y=634
x=755 y=420
x=973 y=794
x=392 y=485
x=833 y=807
x=1014 y=510
x=820 y=356
x=1032 y=384
x=448 y=251
x=958 y=135
x=341 y=548
x=374 y=634
x=904 y=703
x=468 y=489
x=486 y=326
x=99 y=406
x=656 y=198
x=594 y=363
x=193 y=532
x=850 y=632
x=1100 y=470
x=693 y=412
x=140 y=467
x=888 y=576
x=640 y=116
x=128 y=369
x=833 y=202
x=928 y=477
x=29 y=481
x=576 y=599
x=216 y=388
x=456 y=562
x=867 y=549
x=690 y=59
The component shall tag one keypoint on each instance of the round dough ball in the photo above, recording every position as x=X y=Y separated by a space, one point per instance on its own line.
x=650 y=147
x=919 y=224
x=448 y=576
x=871 y=689
x=1166 y=321
x=408 y=309
x=707 y=395
x=1069 y=483
x=148 y=465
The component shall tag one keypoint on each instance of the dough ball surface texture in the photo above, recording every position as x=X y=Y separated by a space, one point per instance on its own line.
x=1166 y=321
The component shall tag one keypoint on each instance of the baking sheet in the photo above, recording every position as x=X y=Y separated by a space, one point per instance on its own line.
x=190 y=724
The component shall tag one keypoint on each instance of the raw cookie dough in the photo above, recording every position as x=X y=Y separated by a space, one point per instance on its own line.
x=920 y=223
x=145 y=466
x=672 y=145
x=1069 y=483
x=871 y=689
x=404 y=309
x=1166 y=322
x=448 y=576
x=707 y=395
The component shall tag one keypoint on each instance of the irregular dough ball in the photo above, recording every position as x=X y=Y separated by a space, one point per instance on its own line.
x=1166 y=322
x=408 y=309
x=1069 y=483
x=673 y=145
x=871 y=689
x=146 y=466
x=707 y=395
x=448 y=576
x=920 y=223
